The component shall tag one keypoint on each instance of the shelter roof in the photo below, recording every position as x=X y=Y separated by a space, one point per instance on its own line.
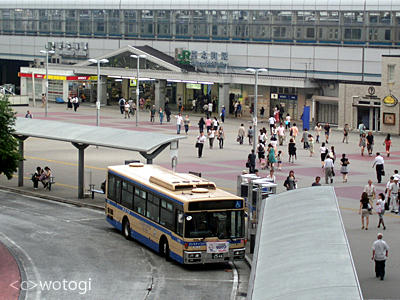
x=93 y=135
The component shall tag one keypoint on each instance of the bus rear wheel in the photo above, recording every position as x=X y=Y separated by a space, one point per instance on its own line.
x=164 y=248
x=126 y=229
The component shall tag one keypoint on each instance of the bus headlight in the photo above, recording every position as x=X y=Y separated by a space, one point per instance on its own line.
x=194 y=255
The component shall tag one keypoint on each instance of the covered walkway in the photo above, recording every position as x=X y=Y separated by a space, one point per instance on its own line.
x=148 y=144
x=302 y=251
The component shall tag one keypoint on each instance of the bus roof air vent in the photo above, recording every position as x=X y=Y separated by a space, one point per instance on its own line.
x=199 y=190
x=136 y=165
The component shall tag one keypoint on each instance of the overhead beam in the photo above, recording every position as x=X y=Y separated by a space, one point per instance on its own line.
x=150 y=156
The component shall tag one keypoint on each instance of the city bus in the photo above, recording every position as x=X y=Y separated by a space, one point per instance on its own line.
x=182 y=216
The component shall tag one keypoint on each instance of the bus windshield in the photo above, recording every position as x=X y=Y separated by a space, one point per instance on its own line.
x=222 y=224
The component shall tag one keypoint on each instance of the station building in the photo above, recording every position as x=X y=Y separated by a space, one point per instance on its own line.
x=311 y=49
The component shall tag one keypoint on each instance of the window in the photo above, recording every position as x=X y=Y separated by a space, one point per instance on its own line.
x=147 y=23
x=163 y=22
x=167 y=214
x=179 y=222
x=127 y=195
x=390 y=73
x=153 y=207
x=111 y=187
x=117 y=190
x=182 y=19
x=352 y=33
x=139 y=202
x=310 y=33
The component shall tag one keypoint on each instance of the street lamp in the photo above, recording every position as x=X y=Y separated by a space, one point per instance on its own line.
x=137 y=84
x=47 y=52
x=255 y=72
x=98 y=62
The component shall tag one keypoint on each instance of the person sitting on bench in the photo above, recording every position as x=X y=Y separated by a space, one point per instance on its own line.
x=45 y=177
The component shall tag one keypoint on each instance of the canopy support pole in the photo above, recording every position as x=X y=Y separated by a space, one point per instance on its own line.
x=150 y=156
x=81 y=168
x=21 y=139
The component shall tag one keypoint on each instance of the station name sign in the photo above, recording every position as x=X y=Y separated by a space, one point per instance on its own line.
x=205 y=59
x=69 y=49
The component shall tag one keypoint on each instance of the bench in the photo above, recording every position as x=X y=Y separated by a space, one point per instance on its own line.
x=93 y=190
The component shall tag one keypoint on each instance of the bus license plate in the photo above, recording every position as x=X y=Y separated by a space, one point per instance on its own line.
x=217 y=255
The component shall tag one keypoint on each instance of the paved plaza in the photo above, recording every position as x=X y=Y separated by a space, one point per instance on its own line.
x=223 y=167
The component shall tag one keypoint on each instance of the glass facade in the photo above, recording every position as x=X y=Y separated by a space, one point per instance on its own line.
x=332 y=27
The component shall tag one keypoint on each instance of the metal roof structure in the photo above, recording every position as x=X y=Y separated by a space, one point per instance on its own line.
x=148 y=144
x=93 y=135
x=301 y=5
x=302 y=251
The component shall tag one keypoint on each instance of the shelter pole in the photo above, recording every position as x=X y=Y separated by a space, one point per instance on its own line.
x=81 y=168
x=21 y=140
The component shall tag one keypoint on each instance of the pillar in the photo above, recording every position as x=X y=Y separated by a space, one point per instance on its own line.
x=21 y=140
x=159 y=93
x=103 y=89
x=223 y=96
x=81 y=168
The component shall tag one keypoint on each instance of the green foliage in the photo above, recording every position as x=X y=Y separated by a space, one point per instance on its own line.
x=9 y=154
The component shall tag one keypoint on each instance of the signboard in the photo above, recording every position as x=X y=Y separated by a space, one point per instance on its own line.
x=206 y=59
x=69 y=49
x=193 y=86
x=58 y=77
x=132 y=82
x=390 y=100
x=217 y=247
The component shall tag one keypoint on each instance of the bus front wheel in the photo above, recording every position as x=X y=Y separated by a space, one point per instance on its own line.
x=126 y=229
x=164 y=248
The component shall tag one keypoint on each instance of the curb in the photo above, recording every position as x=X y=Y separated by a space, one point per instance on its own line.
x=52 y=198
x=247 y=259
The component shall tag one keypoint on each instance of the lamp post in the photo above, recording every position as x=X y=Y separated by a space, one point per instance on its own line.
x=255 y=72
x=137 y=84
x=98 y=62
x=47 y=52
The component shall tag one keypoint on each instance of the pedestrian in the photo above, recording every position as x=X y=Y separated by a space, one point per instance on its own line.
x=271 y=122
x=387 y=143
x=344 y=169
x=262 y=138
x=346 y=130
x=362 y=143
x=287 y=122
x=43 y=100
x=208 y=123
x=276 y=114
x=210 y=108
x=361 y=129
x=271 y=156
x=75 y=103
x=221 y=137
x=121 y=103
x=168 y=113
x=262 y=111
x=388 y=202
x=393 y=193
x=28 y=115
x=365 y=209
x=281 y=111
x=211 y=136
x=132 y=107
x=292 y=150
x=215 y=124
x=36 y=177
x=294 y=131
x=250 y=134
x=222 y=114
x=260 y=151
x=251 y=162
x=281 y=134
x=380 y=253
x=201 y=139
x=161 y=115
x=370 y=190
x=317 y=181
x=179 y=105
x=379 y=165
x=271 y=177
x=333 y=153
x=370 y=142
x=45 y=177
x=153 y=113
x=311 y=144
x=327 y=129
x=127 y=110
x=179 y=121
x=329 y=169
x=324 y=151
x=290 y=182
x=380 y=210
x=317 y=129
x=69 y=103
x=304 y=139
x=279 y=159
x=201 y=124
x=241 y=133
x=186 y=124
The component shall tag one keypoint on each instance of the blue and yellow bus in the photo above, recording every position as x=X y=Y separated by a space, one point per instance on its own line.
x=181 y=216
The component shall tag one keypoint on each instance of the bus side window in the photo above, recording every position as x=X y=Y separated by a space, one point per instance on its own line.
x=117 y=190
x=179 y=222
x=139 y=203
x=167 y=218
x=111 y=187
x=127 y=195
x=153 y=207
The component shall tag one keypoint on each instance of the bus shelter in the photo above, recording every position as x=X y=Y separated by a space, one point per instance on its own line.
x=148 y=144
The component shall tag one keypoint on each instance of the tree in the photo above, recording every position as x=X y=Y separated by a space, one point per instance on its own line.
x=9 y=154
